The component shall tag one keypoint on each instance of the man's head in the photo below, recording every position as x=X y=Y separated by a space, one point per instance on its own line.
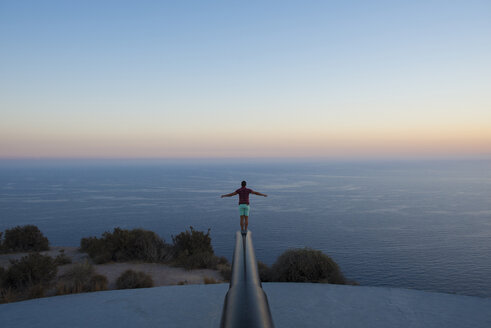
x=243 y=183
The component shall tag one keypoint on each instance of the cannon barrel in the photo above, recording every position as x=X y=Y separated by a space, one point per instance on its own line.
x=246 y=304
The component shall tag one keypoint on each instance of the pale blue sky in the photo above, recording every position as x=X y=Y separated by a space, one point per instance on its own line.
x=297 y=78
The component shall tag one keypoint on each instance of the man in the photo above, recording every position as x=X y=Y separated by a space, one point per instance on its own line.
x=244 y=204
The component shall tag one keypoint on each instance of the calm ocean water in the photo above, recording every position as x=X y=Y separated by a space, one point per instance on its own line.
x=421 y=225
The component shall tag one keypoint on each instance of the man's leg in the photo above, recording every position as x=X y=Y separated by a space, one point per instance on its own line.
x=242 y=219
x=246 y=217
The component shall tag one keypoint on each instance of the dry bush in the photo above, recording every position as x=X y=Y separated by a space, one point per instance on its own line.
x=36 y=291
x=62 y=258
x=225 y=270
x=98 y=283
x=81 y=278
x=8 y=295
x=196 y=261
x=134 y=279
x=209 y=281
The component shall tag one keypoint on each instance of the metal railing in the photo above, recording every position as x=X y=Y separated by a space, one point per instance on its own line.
x=246 y=304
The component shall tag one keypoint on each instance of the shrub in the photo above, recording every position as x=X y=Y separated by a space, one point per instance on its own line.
x=81 y=278
x=2 y=290
x=192 y=241
x=134 y=279
x=26 y=278
x=30 y=270
x=36 y=291
x=79 y=273
x=222 y=260
x=2 y=275
x=62 y=259
x=306 y=265
x=193 y=250
x=264 y=272
x=24 y=239
x=225 y=270
x=8 y=295
x=98 y=282
x=98 y=249
x=197 y=261
x=209 y=281
x=126 y=245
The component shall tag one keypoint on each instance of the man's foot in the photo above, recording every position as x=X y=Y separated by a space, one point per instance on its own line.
x=243 y=232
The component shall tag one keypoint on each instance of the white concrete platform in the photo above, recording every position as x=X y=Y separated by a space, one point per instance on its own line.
x=292 y=305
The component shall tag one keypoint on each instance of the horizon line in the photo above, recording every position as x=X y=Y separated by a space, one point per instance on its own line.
x=375 y=158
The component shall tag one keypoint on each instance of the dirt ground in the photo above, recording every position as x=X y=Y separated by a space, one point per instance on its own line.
x=162 y=275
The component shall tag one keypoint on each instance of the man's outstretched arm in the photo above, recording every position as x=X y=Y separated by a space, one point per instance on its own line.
x=259 y=194
x=230 y=195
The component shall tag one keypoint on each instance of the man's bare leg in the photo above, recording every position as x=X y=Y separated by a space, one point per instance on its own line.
x=246 y=222
x=242 y=219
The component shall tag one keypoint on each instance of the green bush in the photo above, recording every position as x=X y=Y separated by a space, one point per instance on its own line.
x=26 y=278
x=134 y=279
x=192 y=241
x=98 y=249
x=193 y=250
x=306 y=265
x=126 y=245
x=81 y=278
x=264 y=272
x=23 y=239
x=33 y=269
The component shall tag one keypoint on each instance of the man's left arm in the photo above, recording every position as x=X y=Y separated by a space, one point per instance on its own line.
x=258 y=193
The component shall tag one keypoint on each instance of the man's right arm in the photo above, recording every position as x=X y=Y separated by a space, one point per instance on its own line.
x=230 y=195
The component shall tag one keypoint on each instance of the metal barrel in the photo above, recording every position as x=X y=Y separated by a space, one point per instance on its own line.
x=246 y=304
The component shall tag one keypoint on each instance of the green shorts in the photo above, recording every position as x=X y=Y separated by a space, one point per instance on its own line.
x=244 y=209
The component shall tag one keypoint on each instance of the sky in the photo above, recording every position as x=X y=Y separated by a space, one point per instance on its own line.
x=236 y=79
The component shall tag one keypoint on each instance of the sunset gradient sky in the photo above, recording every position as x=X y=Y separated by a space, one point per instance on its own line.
x=180 y=79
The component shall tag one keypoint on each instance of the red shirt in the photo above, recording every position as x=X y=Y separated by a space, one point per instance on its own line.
x=243 y=195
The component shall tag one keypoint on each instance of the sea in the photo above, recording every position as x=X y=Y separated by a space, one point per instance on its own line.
x=416 y=224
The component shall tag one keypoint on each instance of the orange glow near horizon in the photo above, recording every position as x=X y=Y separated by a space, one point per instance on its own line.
x=405 y=142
